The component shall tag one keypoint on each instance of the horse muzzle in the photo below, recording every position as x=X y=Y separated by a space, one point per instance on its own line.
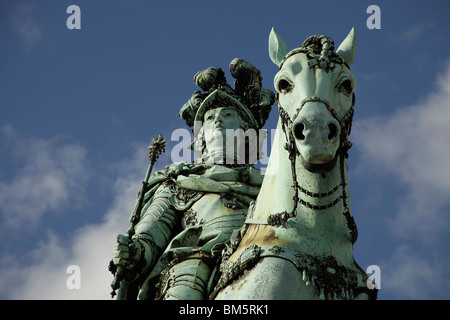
x=317 y=134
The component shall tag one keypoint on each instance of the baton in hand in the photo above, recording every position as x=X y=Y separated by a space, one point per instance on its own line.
x=119 y=282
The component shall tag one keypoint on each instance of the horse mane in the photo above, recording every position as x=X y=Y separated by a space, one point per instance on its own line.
x=319 y=49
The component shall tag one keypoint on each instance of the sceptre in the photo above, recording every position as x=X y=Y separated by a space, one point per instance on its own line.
x=156 y=148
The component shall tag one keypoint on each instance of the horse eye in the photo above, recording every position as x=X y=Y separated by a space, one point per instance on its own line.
x=284 y=86
x=345 y=87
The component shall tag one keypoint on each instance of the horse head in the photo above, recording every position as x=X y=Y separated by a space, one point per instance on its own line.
x=315 y=95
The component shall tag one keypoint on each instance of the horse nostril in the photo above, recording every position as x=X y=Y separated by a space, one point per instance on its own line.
x=298 y=131
x=333 y=131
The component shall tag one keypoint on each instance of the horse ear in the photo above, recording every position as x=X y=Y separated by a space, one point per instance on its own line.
x=348 y=47
x=277 y=48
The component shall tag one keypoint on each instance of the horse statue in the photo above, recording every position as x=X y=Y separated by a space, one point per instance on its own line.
x=297 y=242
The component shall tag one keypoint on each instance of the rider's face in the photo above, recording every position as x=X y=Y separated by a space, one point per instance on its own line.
x=221 y=118
x=216 y=122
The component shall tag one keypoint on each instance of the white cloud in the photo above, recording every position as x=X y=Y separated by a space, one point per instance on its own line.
x=90 y=248
x=410 y=149
x=412 y=146
x=24 y=24
x=415 y=32
x=53 y=175
x=409 y=275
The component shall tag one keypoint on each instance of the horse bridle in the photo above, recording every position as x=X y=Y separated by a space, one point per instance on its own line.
x=278 y=219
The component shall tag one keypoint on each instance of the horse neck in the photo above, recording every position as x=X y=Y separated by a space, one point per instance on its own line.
x=311 y=221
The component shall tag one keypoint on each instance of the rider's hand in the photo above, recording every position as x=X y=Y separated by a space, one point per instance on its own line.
x=126 y=253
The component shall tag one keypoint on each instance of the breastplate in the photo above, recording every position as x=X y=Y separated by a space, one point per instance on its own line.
x=216 y=211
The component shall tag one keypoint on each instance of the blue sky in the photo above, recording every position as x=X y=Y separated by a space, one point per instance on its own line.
x=79 y=107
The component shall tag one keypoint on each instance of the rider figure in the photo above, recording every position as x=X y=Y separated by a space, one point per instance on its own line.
x=192 y=210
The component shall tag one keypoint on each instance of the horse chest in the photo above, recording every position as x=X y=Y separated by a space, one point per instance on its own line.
x=274 y=272
x=271 y=279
